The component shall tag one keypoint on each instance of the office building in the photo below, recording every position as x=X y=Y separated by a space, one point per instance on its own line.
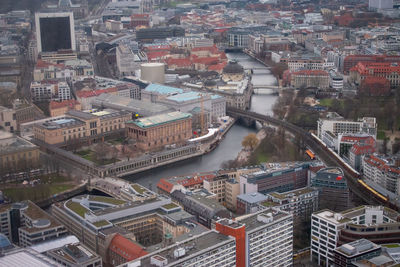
x=330 y=230
x=60 y=108
x=361 y=249
x=277 y=177
x=27 y=257
x=150 y=34
x=333 y=189
x=26 y=224
x=337 y=125
x=21 y=112
x=55 y=31
x=300 y=202
x=147 y=220
x=160 y=130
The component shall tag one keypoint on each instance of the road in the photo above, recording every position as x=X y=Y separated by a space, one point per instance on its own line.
x=324 y=155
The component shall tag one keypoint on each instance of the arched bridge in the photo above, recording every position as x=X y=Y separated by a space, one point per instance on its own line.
x=325 y=155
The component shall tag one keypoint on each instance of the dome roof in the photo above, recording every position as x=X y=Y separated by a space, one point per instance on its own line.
x=233 y=68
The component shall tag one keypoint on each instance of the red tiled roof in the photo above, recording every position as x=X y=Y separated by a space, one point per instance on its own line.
x=311 y=72
x=165 y=185
x=95 y=92
x=126 y=248
x=180 y=62
x=156 y=55
x=44 y=64
x=55 y=104
x=359 y=149
x=206 y=60
x=217 y=67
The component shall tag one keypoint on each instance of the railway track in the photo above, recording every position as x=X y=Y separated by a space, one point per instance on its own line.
x=323 y=153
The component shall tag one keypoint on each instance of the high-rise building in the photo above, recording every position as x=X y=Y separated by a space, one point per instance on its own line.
x=330 y=230
x=380 y=4
x=334 y=192
x=55 y=31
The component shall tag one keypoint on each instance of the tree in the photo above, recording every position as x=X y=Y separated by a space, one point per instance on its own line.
x=250 y=141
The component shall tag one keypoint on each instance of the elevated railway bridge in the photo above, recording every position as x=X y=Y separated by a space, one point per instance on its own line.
x=324 y=154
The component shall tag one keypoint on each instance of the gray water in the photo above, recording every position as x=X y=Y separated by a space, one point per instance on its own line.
x=230 y=145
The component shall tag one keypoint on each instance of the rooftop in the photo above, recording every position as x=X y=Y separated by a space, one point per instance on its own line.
x=76 y=254
x=26 y=257
x=263 y=218
x=357 y=247
x=10 y=143
x=188 y=96
x=192 y=246
x=162 y=89
x=252 y=197
x=161 y=119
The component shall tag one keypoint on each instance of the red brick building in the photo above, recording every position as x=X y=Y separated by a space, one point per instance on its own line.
x=123 y=250
x=352 y=60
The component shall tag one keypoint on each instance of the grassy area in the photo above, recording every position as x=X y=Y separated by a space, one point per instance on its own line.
x=35 y=193
x=109 y=200
x=331 y=102
x=170 y=206
x=90 y=155
x=391 y=245
x=101 y=223
x=262 y=157
x=381 y=135
x=77 y=208
x=268 y=204
x=138 y=188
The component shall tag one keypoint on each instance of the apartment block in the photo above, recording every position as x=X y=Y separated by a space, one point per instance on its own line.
x=337 y=125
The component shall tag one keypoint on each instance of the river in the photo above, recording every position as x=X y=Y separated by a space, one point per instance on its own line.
x=231 y=144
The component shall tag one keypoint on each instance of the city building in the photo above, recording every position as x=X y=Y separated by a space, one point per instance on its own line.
x=26 y=224
x=125 y=60
x=352 y=60
x=330 y=230
x=50 y=90
x=357 y=153
x=366 y=71
x=75 y=254
x=207 y=249
x=256 y=241
x=80 y=126
x=277 y=177
x=26 y=257
x=87 y=97
x=249 y=203
x=247 y=241
x=60 y=108
x=309 y=78
x=347 y=254
x=300 y=202
x=55 y=31
x=205 y=209
x=155 y=92
x=333 y=189
x=17 y=154
x=160 y=130
x=118 y=230
x=335 y=80
x=150 y=34
x=123 y=250
x=232 y=190
x=142 y=108
x=21 y=112
x=337 y=125
x=347 y=141
x=382 y=171
x=305 y=62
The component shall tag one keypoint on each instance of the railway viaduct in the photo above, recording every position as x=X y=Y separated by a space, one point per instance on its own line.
x=323 y=154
